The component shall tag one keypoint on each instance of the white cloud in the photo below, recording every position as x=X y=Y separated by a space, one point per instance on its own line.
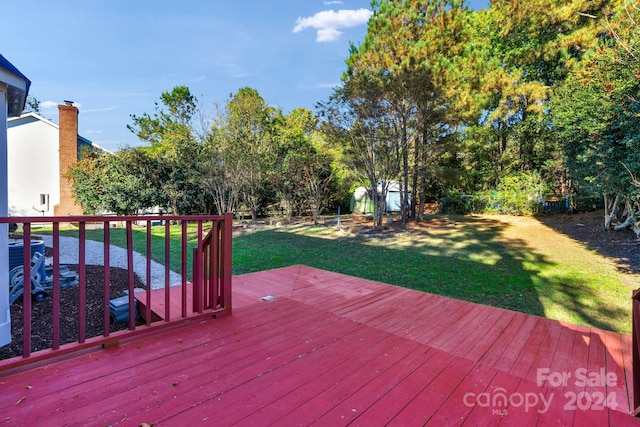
x=328 y=23
x=96 y=110
x=328 y=34
x=321 y=86
x=332 y=2
x=45 y=105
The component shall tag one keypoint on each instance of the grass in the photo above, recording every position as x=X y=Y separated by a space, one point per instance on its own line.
x=510 y=262
x=118 y=237
x=513 y=263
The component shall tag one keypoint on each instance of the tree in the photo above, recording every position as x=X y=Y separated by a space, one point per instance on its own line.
x=532 y=47
x=32 y=105
x=124 y=183
x=414 y=58
x=596 y=113
x=356 y=114
x=219 y=166
x=88 y=179
x=241 y=145
x=319 y=176
x=303 y=172
x=176 y=148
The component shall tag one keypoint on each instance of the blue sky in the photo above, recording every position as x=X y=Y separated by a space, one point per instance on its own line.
x=114 y=58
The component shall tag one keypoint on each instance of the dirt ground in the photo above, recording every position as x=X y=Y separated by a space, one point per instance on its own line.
x=621 y=246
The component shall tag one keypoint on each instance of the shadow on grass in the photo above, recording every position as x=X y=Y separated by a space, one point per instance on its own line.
x=472 y=262
x=621 y=246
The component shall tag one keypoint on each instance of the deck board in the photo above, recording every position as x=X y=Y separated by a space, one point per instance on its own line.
x=530 y=351
x=474 y=383
x=328 y=350
x=427 y=402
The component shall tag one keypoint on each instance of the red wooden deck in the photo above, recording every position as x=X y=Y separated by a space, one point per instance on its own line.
x=335 y=350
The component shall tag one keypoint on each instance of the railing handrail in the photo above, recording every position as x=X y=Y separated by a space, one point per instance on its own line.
x=211 y=273
x=110 y=218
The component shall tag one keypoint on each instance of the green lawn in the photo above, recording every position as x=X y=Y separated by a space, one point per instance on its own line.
x=511 y=262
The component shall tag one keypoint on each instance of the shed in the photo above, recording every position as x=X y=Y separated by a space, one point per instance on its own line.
x=361 y=201
x=362 y=198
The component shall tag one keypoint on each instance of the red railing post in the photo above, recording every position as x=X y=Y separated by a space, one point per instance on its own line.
x=226 y=262
x=200 y=266
x=195 y=280
x=635 y=331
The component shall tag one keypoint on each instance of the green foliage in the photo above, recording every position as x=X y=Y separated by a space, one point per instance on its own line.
x=520 y=194
x=88 y=181
x=442 y=97
x=240 y=151
x=32 y=105
x=303 y=174
x=176 y=149
x=124 y=183
x=457 y=202
x=526 y=53
x=406 y=89
x=596 y=113
x=259 y=159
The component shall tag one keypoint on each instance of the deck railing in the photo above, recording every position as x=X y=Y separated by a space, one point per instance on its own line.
x=209 y=286
x=635 y=340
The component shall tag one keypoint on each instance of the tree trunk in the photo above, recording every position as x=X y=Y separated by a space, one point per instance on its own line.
x=414 y=182
x=404 y=188
x=423 y=177
x=610 y=210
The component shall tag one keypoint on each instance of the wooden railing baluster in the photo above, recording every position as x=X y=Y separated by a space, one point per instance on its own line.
x=56 y=285
x=107 y=277
x=82 y=284
x=211 y=276
x=26 y=305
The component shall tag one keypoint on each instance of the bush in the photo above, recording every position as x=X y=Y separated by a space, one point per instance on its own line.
x=456 y=202
x=520 y=194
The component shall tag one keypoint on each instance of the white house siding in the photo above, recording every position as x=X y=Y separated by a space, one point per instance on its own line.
x=33 y=166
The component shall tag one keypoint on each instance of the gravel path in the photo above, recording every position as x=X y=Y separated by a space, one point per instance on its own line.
x=94 y=253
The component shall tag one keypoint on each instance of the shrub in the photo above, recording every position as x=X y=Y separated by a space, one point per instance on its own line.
x=520 y=194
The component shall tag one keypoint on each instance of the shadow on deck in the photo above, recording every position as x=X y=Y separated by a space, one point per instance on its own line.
x=306 y=346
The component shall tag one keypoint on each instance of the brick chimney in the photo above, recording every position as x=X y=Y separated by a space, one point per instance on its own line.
x=68 y=140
